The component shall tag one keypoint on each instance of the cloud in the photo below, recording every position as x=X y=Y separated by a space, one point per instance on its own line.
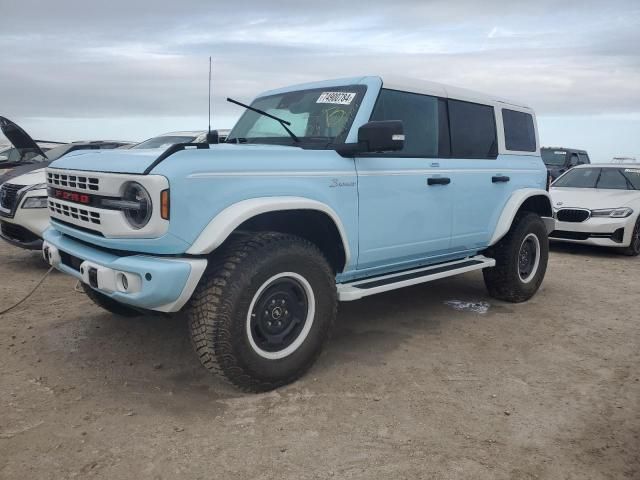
x=149 y=59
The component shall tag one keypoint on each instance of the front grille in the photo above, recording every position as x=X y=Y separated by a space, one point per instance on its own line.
x=573 y=215
x=73 y=181
x=17 y=233
x=9 y=196
x=74 y=212
x=569 y=235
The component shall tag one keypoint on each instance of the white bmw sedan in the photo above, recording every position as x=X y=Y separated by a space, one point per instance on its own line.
x=598 y=205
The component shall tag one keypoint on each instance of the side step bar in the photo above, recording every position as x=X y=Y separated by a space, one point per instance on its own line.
x=370 y=286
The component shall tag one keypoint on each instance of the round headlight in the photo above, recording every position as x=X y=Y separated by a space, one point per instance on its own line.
x=139 y=215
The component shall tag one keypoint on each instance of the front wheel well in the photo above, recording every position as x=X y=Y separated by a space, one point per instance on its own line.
x=312 y=225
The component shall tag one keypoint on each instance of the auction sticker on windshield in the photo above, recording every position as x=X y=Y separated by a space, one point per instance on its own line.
x=631 y=170
x=338 y=98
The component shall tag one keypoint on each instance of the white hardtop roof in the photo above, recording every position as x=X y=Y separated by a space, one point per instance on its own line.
x=395 y=82
x=406 y=84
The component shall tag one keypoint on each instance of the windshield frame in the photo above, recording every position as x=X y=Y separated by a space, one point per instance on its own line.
x=305 y=142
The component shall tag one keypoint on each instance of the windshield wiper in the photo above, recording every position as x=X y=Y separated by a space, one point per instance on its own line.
x=282 y=122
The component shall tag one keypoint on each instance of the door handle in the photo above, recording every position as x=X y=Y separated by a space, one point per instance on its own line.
x=500 y=179
x=438 y=181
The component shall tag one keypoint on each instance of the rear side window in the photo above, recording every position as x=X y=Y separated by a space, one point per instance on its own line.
x=583 y=158
x=424 y=121
x=473 y=130
x=519 y=133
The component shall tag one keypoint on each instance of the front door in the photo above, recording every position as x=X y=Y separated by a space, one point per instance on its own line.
x=405 y=202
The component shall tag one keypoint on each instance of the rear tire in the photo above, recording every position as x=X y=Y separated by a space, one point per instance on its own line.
x=110 y=305
x=263 y=310
x=633 y=250
x=521 y=260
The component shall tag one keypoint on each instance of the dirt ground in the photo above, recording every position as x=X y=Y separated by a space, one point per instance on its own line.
x=408 y=387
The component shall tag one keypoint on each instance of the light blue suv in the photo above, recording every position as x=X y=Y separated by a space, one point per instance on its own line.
x=323 y=192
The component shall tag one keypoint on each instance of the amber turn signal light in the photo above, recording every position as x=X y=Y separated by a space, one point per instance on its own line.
x=164 y=204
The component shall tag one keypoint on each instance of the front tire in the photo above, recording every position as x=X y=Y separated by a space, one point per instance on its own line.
x=633 y=250
x=521 y=260
x=263 y=310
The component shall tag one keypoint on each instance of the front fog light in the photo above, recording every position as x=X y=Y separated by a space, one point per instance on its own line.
x=138 y=213
x=35 y=202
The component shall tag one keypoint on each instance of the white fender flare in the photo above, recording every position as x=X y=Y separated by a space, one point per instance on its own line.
x=511 y=208
x=223 y=224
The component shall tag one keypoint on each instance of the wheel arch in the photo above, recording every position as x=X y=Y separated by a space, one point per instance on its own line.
x=310 y=219
x=530 y=200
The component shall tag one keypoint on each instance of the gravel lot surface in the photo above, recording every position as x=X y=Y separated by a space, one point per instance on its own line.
x=409 y=387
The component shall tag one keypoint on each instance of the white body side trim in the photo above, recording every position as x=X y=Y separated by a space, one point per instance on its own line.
x=198 y=266
x=511 y=208
x=231 y=217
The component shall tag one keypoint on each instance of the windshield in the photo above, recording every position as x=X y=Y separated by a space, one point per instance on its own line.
x=165 y=141
x=320 y=116
x=552 y=157
x=604 y=178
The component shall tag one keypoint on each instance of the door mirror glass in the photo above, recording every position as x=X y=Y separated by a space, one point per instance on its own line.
x=381 y=136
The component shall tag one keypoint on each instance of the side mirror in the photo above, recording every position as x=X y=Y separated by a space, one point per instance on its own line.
x=373 y=137
x=381 y=136
x=212 y=137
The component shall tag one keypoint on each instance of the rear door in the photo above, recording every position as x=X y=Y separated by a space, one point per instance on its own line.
x=483 y=179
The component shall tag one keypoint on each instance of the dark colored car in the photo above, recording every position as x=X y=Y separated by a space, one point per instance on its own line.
x=559 y=160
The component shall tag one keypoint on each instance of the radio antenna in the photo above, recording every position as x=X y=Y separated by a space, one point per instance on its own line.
x=209 y=94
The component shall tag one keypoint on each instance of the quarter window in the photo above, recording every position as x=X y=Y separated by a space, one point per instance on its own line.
x=473 y=130
x=519 y=133
x=424 y=120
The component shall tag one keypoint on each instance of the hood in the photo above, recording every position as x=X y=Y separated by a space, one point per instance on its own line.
x=591 y=198
x=19 y=138
x=138 y=161
x=22 y=170
x=32 y=178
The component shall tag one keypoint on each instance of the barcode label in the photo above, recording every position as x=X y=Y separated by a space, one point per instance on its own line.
x=339 y=98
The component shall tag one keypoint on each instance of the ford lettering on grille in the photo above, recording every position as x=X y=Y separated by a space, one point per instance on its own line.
x=74 y=197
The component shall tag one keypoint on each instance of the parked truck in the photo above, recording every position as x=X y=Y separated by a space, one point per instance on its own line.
x=323 y=192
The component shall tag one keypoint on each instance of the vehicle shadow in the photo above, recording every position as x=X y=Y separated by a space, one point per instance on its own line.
x=151 y=357
x=580 y=249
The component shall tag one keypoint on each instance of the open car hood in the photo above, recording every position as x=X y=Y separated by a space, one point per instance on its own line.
x=19 y=138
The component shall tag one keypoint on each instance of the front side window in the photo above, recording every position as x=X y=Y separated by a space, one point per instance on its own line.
x=423 y=118
x=319 y=117
x=519 y=132
x=473 y=130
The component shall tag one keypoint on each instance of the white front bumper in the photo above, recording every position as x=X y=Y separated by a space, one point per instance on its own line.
x=597 y=228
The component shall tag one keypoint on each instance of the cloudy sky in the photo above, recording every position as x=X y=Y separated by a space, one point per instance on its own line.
x=72 y=69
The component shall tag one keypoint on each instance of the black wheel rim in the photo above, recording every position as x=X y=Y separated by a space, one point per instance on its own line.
x=527 y=258
x=635 y=239
x=279 y=314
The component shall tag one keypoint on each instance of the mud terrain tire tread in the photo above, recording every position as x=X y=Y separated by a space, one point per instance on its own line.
x=216 y=313
x=503 y=281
